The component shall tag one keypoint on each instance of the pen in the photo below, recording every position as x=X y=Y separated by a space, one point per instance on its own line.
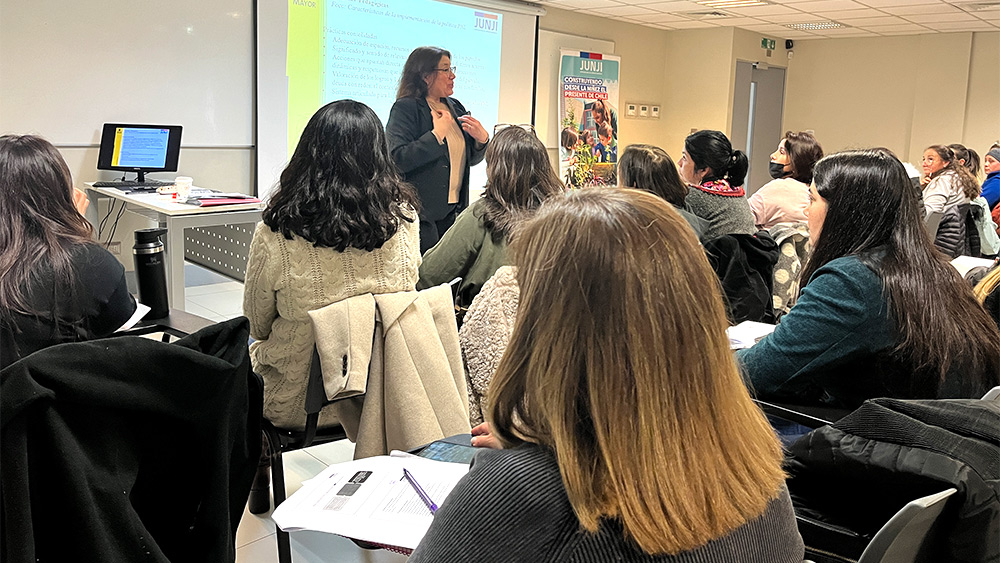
x=420 y=491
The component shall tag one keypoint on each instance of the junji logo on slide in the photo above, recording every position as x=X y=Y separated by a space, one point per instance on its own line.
x=486 y=22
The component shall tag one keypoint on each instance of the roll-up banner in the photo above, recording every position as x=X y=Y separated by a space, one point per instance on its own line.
x=588 y=118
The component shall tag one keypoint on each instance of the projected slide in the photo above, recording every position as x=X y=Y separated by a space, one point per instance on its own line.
x=356 y=49
x=140 y=148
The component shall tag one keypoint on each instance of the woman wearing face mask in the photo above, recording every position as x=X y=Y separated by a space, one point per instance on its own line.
x=784 y=199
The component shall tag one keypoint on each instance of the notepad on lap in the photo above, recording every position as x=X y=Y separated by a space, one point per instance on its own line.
x=368 y=499
x=747 y=333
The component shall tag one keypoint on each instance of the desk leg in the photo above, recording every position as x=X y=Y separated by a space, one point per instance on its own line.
x=175 y=264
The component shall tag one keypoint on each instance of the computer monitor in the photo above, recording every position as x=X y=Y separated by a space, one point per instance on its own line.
x=139 y=148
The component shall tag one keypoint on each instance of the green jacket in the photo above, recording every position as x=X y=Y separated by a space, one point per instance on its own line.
x=467 y=250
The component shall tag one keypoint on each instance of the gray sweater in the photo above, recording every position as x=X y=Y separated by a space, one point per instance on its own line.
x=512 y=507
x=726 y=215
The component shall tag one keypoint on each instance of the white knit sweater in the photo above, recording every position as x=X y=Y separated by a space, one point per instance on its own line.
x=287 y=278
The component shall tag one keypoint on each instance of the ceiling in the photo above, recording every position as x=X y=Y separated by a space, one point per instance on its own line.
x=860 y=18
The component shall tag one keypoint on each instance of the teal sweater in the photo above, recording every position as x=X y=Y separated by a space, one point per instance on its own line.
x=833 y=346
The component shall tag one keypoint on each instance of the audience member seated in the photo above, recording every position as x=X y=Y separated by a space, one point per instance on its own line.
x=987 y=293
x=628 y=433
x=991 y=185
x=650 y=168
x=785 y=198
x=340 y=223
x=715 y=173
x=58 y=284
x=948 y=186
x=485 y=334
x=882 y=313
x=519 y=177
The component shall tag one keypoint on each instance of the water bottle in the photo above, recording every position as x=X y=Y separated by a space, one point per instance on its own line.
x=151 y=272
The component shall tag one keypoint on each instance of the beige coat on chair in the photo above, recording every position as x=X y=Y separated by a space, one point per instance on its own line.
x=416 y=390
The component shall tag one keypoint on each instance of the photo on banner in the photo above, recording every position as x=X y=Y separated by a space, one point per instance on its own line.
x=588 y=118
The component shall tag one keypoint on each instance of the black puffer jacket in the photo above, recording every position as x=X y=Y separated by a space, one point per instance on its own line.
x=957 y=234
x=745 y=266
x=860 y=471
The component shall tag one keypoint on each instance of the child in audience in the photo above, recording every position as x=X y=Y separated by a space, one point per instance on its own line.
x=882 y=313
x=628 y=434
x=58 y=284
x=519 y=177
x=785 y=198
x=715 y=173
x=569 y=140
x=340 y=223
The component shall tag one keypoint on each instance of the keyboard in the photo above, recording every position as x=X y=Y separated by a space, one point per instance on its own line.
x=132 y=184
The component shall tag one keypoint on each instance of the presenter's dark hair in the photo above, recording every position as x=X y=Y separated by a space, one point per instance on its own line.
x=804 y=151
x=650 y=168
x=421 y=62
x=712 y=150
x=873 y=213
x=39 y=223
x=340 y=190
x=519 y=177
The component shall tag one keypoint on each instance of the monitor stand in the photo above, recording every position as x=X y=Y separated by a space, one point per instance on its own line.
x=141 y=178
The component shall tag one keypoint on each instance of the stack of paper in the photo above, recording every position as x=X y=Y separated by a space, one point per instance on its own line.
x=368 y=499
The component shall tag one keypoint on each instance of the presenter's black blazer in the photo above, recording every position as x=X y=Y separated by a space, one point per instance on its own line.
x=422 y=161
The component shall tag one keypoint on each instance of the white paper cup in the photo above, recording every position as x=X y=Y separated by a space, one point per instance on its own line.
x=183 y=186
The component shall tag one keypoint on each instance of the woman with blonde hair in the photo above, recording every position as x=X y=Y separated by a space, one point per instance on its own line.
x=628 y=433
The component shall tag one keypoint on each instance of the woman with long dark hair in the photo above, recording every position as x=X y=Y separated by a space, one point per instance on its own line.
x=627 y=432
x=341 y=223
x=714 y=173
x=519 y=177
x=882 y=313
x=56 y=283
x=434 y=140
x=947 y=181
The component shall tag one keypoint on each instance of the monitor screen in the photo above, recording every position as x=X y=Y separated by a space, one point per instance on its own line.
x=140 y=148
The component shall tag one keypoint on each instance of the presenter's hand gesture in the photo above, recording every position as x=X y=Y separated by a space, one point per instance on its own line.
x=474 y=128
x=442 y=122
x=483 y=438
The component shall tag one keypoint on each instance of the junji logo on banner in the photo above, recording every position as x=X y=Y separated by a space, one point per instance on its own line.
x=588 y=118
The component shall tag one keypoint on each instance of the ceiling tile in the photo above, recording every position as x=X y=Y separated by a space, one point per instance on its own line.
x=675 y=6
x=691 y=24
x=657 y=18
x=868 y=22
x=626 y=11
x=588 y=4
x=844 y=32
x=740 y=22
x=978 y=25
x=757 y=11
x=828 y=5
x=888 y=28
x=838 y=15
x=793 y=18
x=931 y=18
x=941 y=8
x=884 y=3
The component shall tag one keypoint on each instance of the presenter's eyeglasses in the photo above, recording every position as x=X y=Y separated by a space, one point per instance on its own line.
x=526 y=126
x=451 y=69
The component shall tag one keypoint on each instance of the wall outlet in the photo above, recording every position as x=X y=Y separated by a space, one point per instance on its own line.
x=630 y=110
x=115 y=247
x=654 y=112
x=643 y=111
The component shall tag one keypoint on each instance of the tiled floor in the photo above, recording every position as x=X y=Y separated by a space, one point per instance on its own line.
x=218 y=298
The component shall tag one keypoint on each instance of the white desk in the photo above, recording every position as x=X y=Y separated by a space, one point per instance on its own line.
x=175 y=217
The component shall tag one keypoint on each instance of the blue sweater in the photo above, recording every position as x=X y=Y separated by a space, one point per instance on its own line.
x=991 y=189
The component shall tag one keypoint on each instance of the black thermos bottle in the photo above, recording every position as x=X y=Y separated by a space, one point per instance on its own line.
x=151 y=272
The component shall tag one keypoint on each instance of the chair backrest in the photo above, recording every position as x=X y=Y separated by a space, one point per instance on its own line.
x=908 y=537
x=931 y=223
x=992 y=394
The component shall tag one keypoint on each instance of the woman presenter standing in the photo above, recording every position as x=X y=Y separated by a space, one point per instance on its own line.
x=434 y=140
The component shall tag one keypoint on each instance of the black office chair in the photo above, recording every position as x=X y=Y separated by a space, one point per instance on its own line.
x=271 y=472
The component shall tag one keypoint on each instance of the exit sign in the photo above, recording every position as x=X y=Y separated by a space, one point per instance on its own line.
x=766 y=43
